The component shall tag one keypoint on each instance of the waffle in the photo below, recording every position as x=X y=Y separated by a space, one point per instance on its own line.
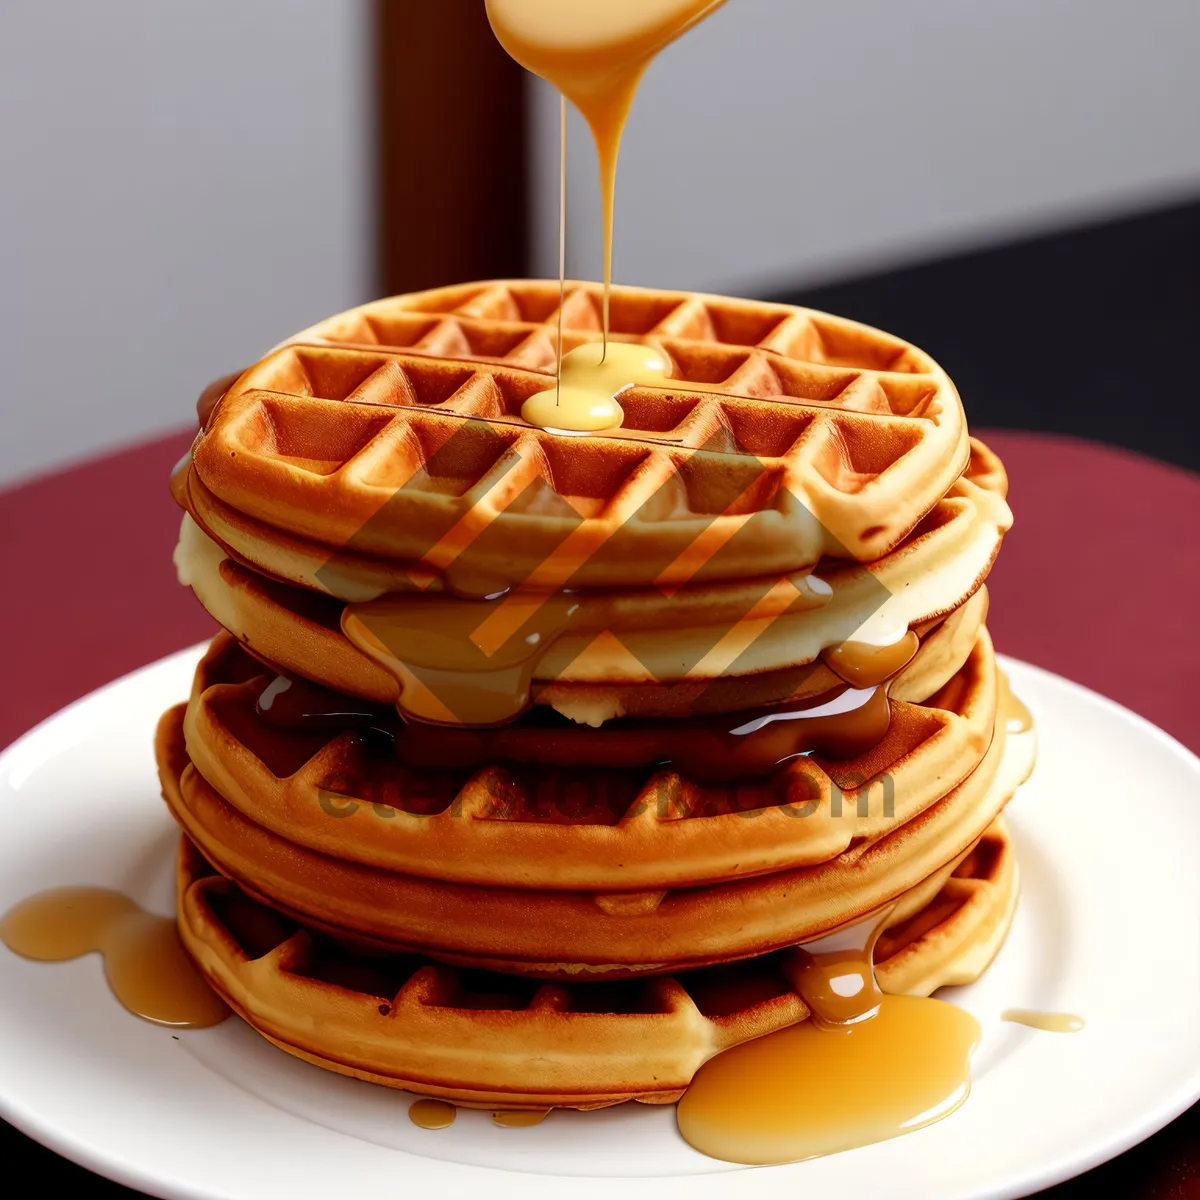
x=960 y=923
x=388 y=441
x=543 y=826
x=488 y=1040
x=660 y=667
x=560 y=934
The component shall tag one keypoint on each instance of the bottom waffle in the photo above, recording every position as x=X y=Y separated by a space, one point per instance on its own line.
x=488 y=1040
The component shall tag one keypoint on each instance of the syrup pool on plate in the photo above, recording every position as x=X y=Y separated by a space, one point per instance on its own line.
x=145 y=963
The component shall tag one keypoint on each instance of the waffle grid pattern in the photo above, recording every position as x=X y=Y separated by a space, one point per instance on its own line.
x=405 y=415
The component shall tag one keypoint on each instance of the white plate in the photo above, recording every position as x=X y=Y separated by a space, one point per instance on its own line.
x=1109 y=927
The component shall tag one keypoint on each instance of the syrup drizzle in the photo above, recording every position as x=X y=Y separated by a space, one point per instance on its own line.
x=863 y=664
x=471 y=662
x=595 y=52
x=562 y=242
x=864 y=1068
x=722 y=748
x=145 y=963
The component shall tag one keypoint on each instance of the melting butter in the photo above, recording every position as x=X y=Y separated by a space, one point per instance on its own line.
x=591 y=377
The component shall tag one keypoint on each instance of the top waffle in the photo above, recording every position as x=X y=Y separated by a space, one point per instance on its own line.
x=394 y=431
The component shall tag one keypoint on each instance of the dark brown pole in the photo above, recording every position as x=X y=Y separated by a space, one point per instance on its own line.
x=452 y=147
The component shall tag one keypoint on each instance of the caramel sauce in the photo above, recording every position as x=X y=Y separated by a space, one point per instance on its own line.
x=863 y=665
x=432 y=1114
x=865 y=1067
x=145 y=963
x=1048 y=1022
x=521 y=1118
x=720 y=748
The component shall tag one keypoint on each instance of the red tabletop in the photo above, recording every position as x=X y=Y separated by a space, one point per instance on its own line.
x=1099 y=581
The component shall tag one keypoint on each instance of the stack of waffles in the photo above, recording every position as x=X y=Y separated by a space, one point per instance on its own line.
x=526 y=760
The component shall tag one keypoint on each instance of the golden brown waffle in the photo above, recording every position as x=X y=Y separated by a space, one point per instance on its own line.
x=931 y=574
x=944 y=648
x=960 y=924
x=581 y=934
x=390 y=438
x=563 y=827
x=490 y=1040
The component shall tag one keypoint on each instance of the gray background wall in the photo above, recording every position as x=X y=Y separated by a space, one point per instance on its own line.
x=182 y=184
x=786 y=141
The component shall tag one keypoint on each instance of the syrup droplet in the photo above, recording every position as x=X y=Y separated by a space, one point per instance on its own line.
x=432 y=1114
x=865 y=665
